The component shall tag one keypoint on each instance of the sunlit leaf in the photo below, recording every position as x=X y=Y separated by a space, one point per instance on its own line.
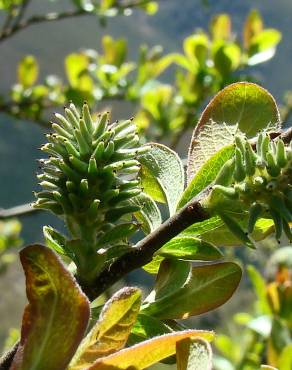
x=226 y=57
x=263 y=46
x=162 y=175
x=148 y=215
x=189 y=249
x=221 y=27
x=56 y=316
x=149 y=327
x=111 y=332
x=147 y=353
x=259 y=286
x=285 y=359
x=208 y=287
x=193 y=354
x=196 y=49
x=206 y=174
x=253 y=26
x=28 y=71
x=242 y=104
x=76 y=66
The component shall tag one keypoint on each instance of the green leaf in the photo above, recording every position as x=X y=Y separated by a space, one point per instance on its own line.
x=266 y=40
x=220 y=27
x=54 y=240
x=206 y=174
x=148 y=215
x=259 y=286
x=76 y=66
x=228 y=347
x=226 y=57
x=111 y=332
x=147 y=353
x=252 y=27
x=285 y=359
x=162 y=175
x=56 y=316
x=172 y=275
x=27 y=71
x=196 y=49
x=244 y=105
x=189 y=249
x=117 y=233
x=208 y=287
x=193 y=354
x=148 y=327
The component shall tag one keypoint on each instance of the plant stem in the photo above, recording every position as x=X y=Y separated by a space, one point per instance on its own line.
x=7 y=358
x=21 y=25
x=143 y=252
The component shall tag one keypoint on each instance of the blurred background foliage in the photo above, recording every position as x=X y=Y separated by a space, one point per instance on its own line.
x=160 y=62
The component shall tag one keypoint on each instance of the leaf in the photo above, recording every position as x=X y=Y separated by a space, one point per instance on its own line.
x=285 y=359
x=260 y=289
x=242 y=104
x=56 y=316
x=221 y=27
x=189 y=249
x=147 y=353
x=226 y=57
x=76 y=65
x=263 y=46
x=253 y=26
x=28 y=71
x=162 y=175
x=172 y=275
x=153 y=266
x=193 y=354
x=149 y=327
x=208 y=287
x=54 y=240
x=148 y=215
x=206 y=174
x=111 y=332
x=196 y=49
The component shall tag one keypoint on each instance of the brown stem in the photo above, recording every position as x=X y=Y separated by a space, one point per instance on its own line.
x=17 y=211
x=60 y=16
x=7 y=358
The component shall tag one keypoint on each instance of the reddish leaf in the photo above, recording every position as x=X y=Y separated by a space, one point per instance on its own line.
x=55 y=319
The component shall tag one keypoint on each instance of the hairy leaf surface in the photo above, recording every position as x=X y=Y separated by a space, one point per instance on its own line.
x=56 y=316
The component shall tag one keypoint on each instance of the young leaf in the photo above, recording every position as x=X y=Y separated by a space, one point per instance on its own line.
x=193 y=354
x=259 y=286
x=149 y=214
x=285 y=359
x=206 y=174
x=149 y=327
x=162 y=175
x=56 y=316
x=28 y=71
x=111 y=332
x=202 y=292
x=147 y=353
x=244 y=105
x=190 y=249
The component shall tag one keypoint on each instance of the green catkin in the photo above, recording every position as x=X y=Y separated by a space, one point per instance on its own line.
x=254 y=214
x=92 y=168
x=225 y=175
x=71 y=149
x=70 y=186
x=250 y=160
x=62 y=131
x=109 y=150
x=277 y=204
x=281 y=157
x=240 y=143
x=287 y=230
x=74 y=110
x=272 y=167
x=239 y=170
x=87 y=118
x=79 y=165
x=84 y=187
x=229 y=192
x=121 y=126
x=278 y=222
x=265 y=147
x=64 y=123
x=74 y=121
x=84 y=147
x=85 y=132
x=101 y=126
x=98 y=152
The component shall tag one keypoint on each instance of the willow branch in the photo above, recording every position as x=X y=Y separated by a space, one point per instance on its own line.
x=17 y=211
x=7 y=358
x=51 y=17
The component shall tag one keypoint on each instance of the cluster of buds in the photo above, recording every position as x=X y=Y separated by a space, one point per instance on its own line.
x=258 y=181
x=91 y=179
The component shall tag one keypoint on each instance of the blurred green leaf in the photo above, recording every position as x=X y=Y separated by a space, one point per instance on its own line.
x=196 y=49
x=111 y=332
x=220 y=27
x=228 y=347
x=285 y=359
x=55 y=303
x=202 y=292
x=27 y=71
x=263 y=46
x=259 y=286
x=193 y=354
x=253 y=26
x=162 y=175
x=76 y=66
x=227 y=57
